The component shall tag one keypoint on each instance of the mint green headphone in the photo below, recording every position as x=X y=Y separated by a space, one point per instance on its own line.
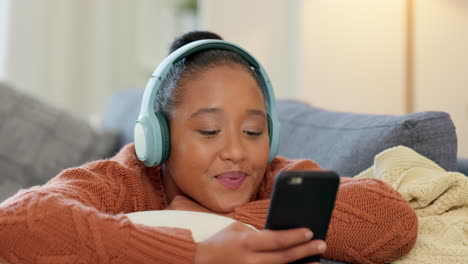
x=152 y=137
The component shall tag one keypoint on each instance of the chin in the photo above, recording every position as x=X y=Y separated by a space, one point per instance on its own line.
x=229 y=206
x=226 y=210
x=224 y=202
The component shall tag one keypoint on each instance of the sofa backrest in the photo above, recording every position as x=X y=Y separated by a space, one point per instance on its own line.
x=347 y=142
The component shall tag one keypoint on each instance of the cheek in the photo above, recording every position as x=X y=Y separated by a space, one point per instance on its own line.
x=191 y=152
x=189 y=159
x=259 y=155
x=262 y=148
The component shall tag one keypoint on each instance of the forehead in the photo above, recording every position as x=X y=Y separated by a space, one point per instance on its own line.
x=222 y=87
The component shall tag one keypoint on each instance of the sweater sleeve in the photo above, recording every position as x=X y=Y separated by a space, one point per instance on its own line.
x=371 y=222
x=253 y=213
x=75 y=216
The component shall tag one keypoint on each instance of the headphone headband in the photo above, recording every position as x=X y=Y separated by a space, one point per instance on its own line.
x=146 y=139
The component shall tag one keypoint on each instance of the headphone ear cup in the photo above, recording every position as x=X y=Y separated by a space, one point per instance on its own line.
x=272 y=152
x=165 y=137
x=273 y=135
x=270 y=128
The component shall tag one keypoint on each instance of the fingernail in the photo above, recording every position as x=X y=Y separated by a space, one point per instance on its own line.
x=309 y=235
x=322 y=247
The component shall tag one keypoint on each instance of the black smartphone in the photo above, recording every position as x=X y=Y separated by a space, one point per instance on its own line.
x=303 y=199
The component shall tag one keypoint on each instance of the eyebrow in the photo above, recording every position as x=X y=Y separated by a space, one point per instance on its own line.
x=201 y=111
x=256 y=112
x=205 y=111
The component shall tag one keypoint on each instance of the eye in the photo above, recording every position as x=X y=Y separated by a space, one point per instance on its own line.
x=252 y=133
x=209 y=133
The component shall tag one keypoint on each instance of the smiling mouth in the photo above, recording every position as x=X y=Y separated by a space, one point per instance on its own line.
x=231 y=180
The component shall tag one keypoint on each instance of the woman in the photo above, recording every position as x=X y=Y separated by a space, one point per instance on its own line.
x=218 y=163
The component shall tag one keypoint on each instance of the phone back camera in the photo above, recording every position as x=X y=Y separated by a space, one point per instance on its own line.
x=295 y=181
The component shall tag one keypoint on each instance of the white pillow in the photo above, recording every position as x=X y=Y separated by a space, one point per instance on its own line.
x=202 y=225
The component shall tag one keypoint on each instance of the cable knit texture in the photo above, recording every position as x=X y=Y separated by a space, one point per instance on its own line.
x=78 y=216
x=440 y=199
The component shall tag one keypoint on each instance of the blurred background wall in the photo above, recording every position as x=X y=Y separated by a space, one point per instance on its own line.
x=373 y=56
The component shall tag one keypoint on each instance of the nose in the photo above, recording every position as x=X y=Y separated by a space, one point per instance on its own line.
x=233 y=149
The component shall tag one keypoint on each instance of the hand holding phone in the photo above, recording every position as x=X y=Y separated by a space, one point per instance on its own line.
x=303 y=199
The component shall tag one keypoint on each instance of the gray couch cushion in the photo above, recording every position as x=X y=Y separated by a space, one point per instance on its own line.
x=121 y=114
x=348 y=142
x=462 y=165
x=37 y=141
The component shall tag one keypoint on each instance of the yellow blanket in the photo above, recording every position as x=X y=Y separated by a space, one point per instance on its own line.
x=440 y=199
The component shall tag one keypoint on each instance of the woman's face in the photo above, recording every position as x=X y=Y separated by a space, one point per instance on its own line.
x=219 y=139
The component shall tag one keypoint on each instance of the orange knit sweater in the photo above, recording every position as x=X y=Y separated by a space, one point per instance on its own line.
x=78 y=217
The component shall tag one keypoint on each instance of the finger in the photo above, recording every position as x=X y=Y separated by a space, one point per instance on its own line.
x=270 y=240
x=312 y=248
